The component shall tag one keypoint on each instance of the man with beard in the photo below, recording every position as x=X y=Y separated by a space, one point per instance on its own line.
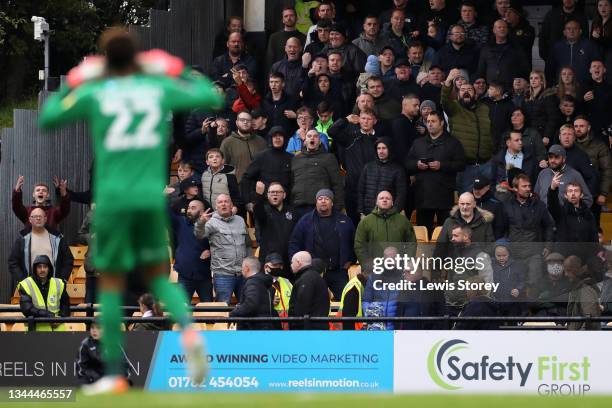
x=370 y=41
x=192 y=255
x=470 y=124
x=599 y=154
x=557 y=165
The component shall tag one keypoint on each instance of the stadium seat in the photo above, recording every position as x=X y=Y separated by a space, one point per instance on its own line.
x=19 y=327
x=422 y=235
x=78 y=254
x=436 y=234
x=15 y=298
x=212 y=326
x=76 y=292
x=15 y=313
x=76 y=327
x=252 y=237
x=79 y=275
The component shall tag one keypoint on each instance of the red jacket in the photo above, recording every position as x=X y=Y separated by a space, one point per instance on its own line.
x=246 y=99
x=54 y=214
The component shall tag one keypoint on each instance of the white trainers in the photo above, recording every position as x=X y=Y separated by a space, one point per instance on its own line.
x=193 y=345
x=112 y=384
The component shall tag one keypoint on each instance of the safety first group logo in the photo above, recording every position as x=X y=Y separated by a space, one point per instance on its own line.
x=453 y=365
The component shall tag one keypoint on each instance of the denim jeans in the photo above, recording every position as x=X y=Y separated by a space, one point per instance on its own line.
x=465 y=179
x=225 y=285
x=202 y=287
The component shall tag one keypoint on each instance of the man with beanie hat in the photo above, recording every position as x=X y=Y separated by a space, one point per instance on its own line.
x=382 y=174
x=328 y=234
x=273 y=164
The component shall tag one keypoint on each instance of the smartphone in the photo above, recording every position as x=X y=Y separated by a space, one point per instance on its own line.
x=427 y=160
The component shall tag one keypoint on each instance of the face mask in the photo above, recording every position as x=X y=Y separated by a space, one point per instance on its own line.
x=275 y=271
x=555 y=270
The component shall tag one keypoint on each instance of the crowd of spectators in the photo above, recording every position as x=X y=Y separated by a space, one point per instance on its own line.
x=328 y=148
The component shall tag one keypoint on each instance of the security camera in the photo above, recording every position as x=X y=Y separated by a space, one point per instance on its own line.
x=41 y=28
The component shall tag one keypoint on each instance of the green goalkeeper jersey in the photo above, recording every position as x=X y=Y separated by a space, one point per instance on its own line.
x=129 y=122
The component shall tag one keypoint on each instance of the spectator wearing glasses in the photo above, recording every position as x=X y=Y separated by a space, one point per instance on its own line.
x=305 y=119
x=35 y=240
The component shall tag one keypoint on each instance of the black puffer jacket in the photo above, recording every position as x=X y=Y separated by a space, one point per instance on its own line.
x=435 y=189
x=529 y=225
x=255 y=301
x=378 y=176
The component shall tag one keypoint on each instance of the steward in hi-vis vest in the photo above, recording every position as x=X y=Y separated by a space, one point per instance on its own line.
x=41 y=295
x=350 y=302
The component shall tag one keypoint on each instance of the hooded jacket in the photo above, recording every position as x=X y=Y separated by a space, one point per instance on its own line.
x=239 y=150
x=255 y=301
x=481 y=225
x=382 y=227
x=25 y=301
x=377 y=176
x=313 y=171
x=228 y=239
x=20 y=258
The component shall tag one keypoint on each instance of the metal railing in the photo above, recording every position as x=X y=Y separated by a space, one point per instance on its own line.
x=446 y=321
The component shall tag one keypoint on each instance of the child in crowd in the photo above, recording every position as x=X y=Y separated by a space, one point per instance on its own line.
x=219 y=178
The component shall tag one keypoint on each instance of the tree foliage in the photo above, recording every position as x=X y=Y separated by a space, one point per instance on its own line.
x=76 y=25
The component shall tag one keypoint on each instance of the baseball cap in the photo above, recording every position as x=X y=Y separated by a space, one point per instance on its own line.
x=557 y=150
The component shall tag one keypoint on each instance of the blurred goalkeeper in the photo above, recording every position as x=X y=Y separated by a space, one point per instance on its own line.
x=126 y=97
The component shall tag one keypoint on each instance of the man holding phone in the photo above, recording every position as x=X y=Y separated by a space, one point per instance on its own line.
x=434 y=161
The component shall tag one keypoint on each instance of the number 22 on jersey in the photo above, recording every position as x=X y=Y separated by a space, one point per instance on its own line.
x=136 y=119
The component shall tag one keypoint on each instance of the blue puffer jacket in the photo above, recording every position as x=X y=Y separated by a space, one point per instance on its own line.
x=379 y=301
